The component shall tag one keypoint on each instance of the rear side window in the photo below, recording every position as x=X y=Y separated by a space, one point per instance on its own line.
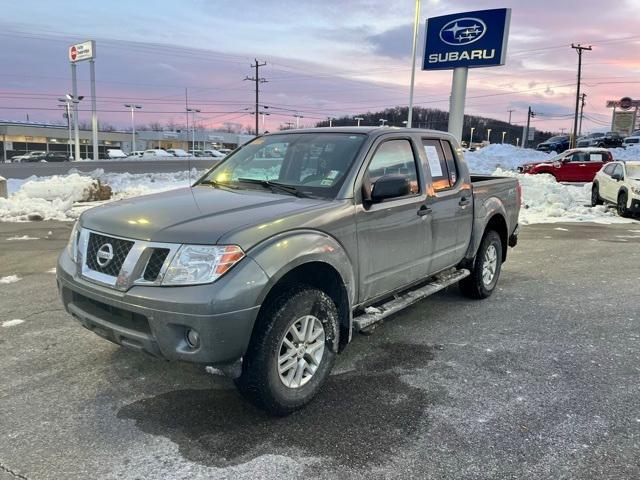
x=441 y=163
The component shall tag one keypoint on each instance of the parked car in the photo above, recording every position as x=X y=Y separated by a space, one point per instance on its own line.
x=264 y=268
x=633 y=139
x=197 y=153
x=28 y=157
x=225 y=151
x=575 y=165
x=178 y=152
x=115 y=153
x=608 y=139
x=618 y=183
x=214 y=153
x=156 y=153
x=53 y=157
x=556 y=144
x=136 y=154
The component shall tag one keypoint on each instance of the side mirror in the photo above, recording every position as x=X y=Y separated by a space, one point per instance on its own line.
x=616 y=176
x=390 y=186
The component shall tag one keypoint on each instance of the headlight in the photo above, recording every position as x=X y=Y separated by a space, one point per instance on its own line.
x=72 y=244
x=636 y=190
x=198 y=264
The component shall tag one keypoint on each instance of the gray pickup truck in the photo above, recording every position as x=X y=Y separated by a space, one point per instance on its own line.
x=269 y=262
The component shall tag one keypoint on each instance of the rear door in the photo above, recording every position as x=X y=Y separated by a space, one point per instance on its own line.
x=393 y=236
x=576 y=169
x=451 y=203
x=595 y=163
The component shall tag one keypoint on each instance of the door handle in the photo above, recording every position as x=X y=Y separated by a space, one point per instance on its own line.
x=582 y=165
x=464 y=201
x=424 y=210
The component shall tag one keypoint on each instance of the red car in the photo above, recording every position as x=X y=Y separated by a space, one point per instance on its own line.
x=575 y=165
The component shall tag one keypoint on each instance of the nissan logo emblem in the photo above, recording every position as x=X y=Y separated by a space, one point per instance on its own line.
x=104 y=255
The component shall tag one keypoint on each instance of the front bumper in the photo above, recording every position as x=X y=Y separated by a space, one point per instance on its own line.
x=155 y=319
x=634 y=204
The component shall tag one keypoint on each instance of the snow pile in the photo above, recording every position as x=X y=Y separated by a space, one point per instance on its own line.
x=9 y=279
x=505 y=156
x=55 y=198
x=12 y=323
x=22 y=237
x=546 y=201
x=631 y=153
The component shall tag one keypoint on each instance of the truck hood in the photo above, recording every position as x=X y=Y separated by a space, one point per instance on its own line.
x=199 y=215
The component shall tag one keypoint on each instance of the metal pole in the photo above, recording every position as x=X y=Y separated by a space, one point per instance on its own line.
x=68 y=107
x=193 y=132
x=416 y=27
x=4 y=148
x=456 y=104
x=133 y=131
x=186 y=108
x=579 y=49
x=94 y=114
x=471 y=136
x=74 y=91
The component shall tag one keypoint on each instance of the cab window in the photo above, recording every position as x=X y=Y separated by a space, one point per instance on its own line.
x=441 y=163
x=394 y=157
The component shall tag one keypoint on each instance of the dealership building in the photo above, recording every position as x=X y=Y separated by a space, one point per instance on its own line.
x=18 y=138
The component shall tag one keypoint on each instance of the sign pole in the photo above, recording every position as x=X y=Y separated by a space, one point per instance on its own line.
x=456 y=103
x=414 y=48
x=74 y=91
x=94 y=115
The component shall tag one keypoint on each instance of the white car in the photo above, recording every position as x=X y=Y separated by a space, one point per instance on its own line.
x=618 y=183
x=27 y=156
x=633 y=139
x=178 y=152
x=156 y=153
x=214 y=153
x=115 y=153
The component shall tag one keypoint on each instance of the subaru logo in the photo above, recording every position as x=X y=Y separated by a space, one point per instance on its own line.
x=463 y=31
x=104 y=255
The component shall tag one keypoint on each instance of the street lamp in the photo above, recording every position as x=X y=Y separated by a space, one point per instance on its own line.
x=359 y=119
x=263 y=113
x=503 y=135
x=298 y=117
x=193 y=135
x=69 y=100
x=67 y=112
x=488 y=135
x=471 y=136
x=382 y=121
x=133 y=124
x=331 y=119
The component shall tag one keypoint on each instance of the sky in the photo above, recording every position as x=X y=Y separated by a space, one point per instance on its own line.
x=323 y=58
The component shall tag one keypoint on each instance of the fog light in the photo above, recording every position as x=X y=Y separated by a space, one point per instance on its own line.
x=193 y=338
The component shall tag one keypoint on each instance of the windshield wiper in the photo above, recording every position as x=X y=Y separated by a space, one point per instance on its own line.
x=290 y=189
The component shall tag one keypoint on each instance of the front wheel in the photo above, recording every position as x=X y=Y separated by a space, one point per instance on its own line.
x=595 y=196
x=291 y=352
x=486 y=268
x=622 y=205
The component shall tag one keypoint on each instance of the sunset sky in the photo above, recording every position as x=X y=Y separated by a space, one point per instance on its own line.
x=324 y=58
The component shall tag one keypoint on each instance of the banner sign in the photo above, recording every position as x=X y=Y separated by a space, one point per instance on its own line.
x=469 y=39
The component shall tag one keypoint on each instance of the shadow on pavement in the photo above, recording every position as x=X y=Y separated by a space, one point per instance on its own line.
x=359 y=418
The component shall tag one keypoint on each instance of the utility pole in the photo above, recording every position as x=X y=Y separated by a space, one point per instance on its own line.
x=525 y=139
x=583 y=102
x=511 y=110
x=258 y=81
x=579 y=49
x=414 y=48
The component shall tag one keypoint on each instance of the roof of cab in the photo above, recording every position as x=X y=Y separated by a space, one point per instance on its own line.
x=371 y=130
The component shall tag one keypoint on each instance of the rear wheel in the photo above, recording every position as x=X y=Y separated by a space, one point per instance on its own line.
x=291 y=351
x=486 y=268
x=595 y=196
x=622 y=204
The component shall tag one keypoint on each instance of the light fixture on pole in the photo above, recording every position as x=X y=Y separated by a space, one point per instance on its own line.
x=72 y=102
x=488 y=135
x=503 y=135
x=331 y=119
x=133 y=123
x=67 y=113
x=382 y=121
x=359 y=119
x=263 y=113
x=193 y=134
x=298 y=117
x=473 y=129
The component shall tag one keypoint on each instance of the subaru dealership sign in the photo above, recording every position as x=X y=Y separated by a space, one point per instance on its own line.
x=470 y=39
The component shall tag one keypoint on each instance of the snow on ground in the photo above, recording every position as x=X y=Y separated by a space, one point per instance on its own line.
x=627 y=154
x=12 y=323
x=56 y=197
x=9 y=279
x=23 y=237
x=504 y=156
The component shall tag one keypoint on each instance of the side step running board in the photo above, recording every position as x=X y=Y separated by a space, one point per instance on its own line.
x=401 y=301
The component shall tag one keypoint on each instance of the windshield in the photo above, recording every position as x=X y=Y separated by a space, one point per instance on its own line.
x=556 y=139
x=315 y=164
x=633 y=171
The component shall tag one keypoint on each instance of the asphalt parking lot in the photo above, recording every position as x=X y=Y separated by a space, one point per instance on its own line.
x=542 y=380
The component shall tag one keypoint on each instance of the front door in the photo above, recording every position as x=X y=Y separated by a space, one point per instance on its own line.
x=393 y=235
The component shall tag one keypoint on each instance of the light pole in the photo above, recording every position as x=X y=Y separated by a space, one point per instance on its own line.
x=359 y=119
x=488 y=135
x=503 y=135
x=331 y=119
x=298 y=117
x=263 y=113
x=133 y=124
x=382 y=121
x=73 y=100
x=473 y=129
x=193 y=135
x=67 y=111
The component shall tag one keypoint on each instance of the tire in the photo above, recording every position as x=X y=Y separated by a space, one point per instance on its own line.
x=474 y=286
x=595 y=196
x=261 y=381
x=621 y=206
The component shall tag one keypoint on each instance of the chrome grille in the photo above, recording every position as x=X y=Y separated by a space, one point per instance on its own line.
x=121 y=249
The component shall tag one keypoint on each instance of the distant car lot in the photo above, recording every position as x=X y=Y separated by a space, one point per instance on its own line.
x=535 y=382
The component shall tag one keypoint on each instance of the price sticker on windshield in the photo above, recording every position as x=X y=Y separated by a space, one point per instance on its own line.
x=434 y=160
